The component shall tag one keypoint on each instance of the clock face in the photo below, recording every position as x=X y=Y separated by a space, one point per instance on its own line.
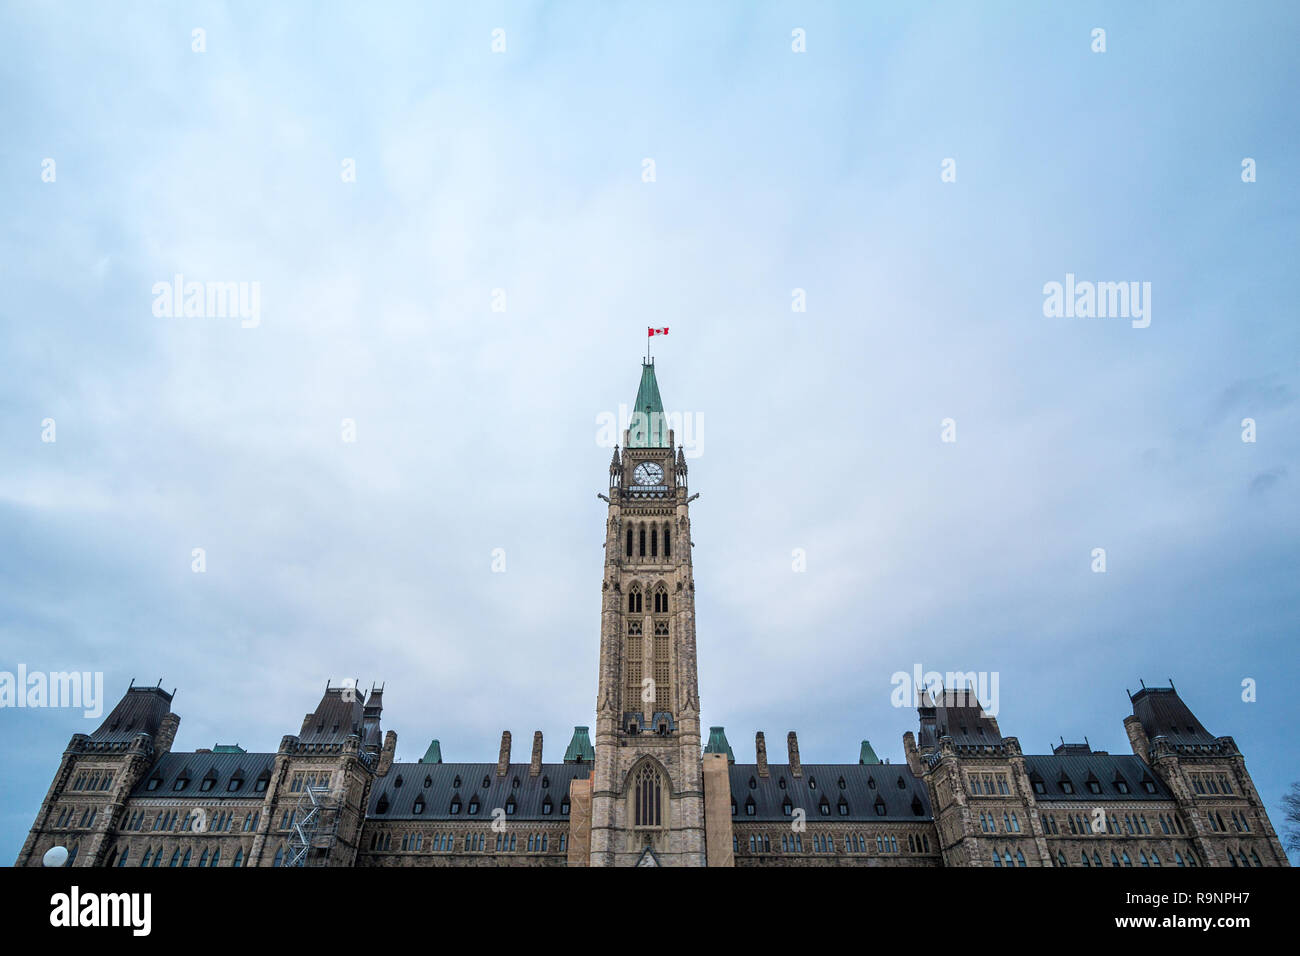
x=648 y=473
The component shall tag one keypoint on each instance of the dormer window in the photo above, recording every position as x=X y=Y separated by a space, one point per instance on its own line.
x=917 y=809
x=901 y=784
x=398 y=782
x=455 y=784
x=812 y=783
x=473 y=806
x=547 y=806
x=235 y=784
x=842 y=784
x=824 y=808
x=751 y=808
x=1094 y=786
x=1148 y=786
x=1067 y=787
x=154 y=783
x=382 y=805
x=181 y=783
x=1039 y=787
x=564 y=807
x=428 y=782
x=781 y=783
x=515 y=783
x=733 y=806
x=546 y=783
x=418 y=806
x=843 y=807
x=487 y=782
x=454 y=809
x=261 y=783
x=753 y=784
x=510 y=806
x=787 y=807
x=880 y=807
x=871 y=782
x=1121 y=786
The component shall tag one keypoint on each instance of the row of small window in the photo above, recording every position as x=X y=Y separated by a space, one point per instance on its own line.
x=1181 y=858
x=825 y=843
x=473 y=807
x=456 y=783
x=308 y=781
x=470 y=843
x=989 y=783
x=1094 y=786
x=218 y=822
x=1080 y=824
x=65 y=818
x=1209 y=783
x=659 y=600
x=1010 y=823
x=640 y=539
x=1239 y=823
x=208 y=782
x=155 y=857
x=824 y=807
x=812 y=783
x=93 y=780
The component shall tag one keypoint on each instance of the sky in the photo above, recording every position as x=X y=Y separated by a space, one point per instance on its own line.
x=457 y=251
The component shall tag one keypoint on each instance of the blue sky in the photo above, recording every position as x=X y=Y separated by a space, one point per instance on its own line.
x=476 y=429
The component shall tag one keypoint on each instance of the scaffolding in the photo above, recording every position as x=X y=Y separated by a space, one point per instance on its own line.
x=315 y=826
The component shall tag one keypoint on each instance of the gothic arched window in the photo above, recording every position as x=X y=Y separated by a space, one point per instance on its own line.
x=661 y=600
x=629 y=542
x=643 y=541
x=647 y=790
x=634 y=600
x=654 y=542
x=668 y=548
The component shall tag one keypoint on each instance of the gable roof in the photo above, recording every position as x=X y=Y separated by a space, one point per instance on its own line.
x=435 y=784
x=865 y=785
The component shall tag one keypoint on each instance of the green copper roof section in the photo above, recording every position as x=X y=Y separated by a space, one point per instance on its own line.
x=868 y=755
x=647 y=426
x=228 y=749
x=718 y=744
x=580 y=748
x=433 y=754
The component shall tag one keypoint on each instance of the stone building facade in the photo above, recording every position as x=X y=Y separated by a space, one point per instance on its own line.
x=649 y=791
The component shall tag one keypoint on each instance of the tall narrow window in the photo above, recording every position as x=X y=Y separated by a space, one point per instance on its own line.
x=668 y=548
x=654 y=542
x=629 y=542
x=643 y=541
x=648 y=794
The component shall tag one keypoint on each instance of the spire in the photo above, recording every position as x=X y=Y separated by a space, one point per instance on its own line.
x=718 y=744
x=433 y=754
x=648 y=427
x=580 y=749
x=867 y=755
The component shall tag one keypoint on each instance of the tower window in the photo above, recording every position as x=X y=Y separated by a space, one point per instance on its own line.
x=642 y=541
x=634 y=600
x=654 y=542
x=648 y=794
x=629 y=542
x=668 y=548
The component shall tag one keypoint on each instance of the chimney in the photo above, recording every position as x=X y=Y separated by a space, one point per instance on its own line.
x=1137 y=737
x=503 y=758
x=167 y=733
x=387 y=754
x=760 y=748
x=535 y=767
x=792 y=743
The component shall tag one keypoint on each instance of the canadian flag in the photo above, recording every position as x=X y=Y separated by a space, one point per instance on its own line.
x=650 y=333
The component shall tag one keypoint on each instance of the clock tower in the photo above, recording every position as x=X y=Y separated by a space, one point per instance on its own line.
x=647 y=786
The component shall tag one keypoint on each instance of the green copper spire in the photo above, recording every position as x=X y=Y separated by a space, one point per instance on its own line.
x=718 y=744
x=868 y=755
x=580 y=748
x=647 y=425
x=433 y=754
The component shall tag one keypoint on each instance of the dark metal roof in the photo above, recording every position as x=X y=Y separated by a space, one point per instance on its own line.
x=140 y=711
x=1163 y=714
x=1104 y=769
x=435 y=785
x=340 y=714
x=197 y=767
x=865 y=785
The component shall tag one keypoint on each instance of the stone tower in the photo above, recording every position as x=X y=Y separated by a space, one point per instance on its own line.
x=647 y=787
